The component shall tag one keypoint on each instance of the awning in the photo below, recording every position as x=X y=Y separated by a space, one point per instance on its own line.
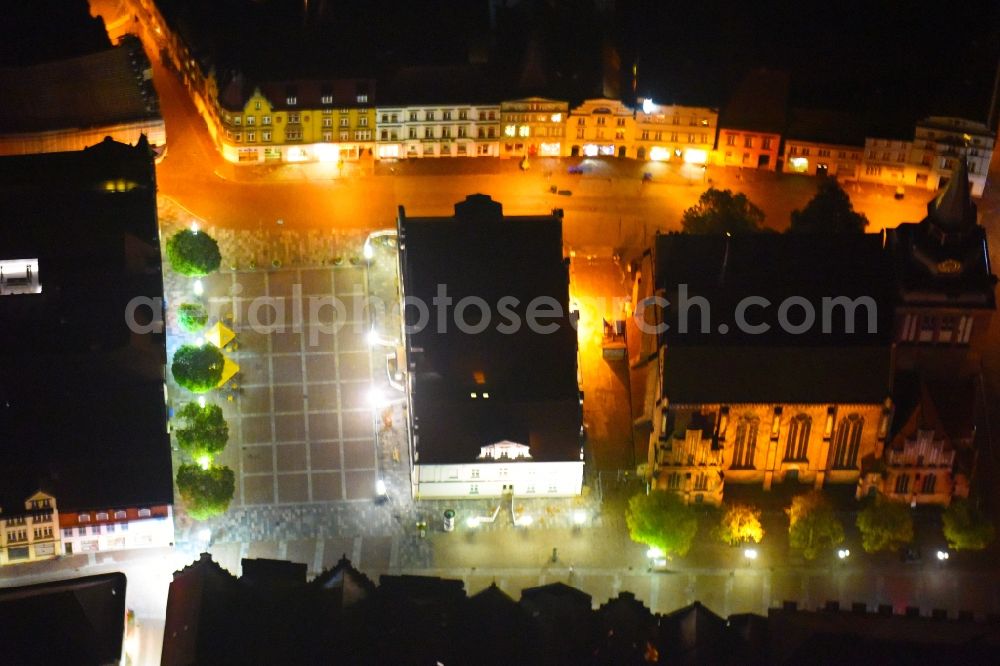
x=219 y=335
x=229 y=370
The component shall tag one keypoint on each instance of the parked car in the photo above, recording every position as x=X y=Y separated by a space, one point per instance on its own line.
x=565 y=193
x=577 y=169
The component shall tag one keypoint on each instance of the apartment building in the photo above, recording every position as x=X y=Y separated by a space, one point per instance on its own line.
x=675 y=133
x=30 y=532
x=533 y=126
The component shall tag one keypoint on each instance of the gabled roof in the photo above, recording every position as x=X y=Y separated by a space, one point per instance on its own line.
x=694 y=635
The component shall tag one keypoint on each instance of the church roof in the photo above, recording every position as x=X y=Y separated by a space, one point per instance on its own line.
x=953 y=210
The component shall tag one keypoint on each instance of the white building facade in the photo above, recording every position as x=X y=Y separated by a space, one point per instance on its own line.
x=940 y=142
x=460 y=130
x=117 y=529
x=503 y=467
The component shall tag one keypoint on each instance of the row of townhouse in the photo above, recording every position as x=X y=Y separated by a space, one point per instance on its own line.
x=40 y=531
x=337 y=120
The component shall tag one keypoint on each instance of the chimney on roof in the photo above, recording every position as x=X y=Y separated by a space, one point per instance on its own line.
x=479 y=208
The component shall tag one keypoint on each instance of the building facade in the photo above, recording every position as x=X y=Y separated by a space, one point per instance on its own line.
x=940 y=143
x=842 y=162
x=675 y=133
x=600 y=128
x=116 y=529
x=299 y=121
x=464 y=130
x=31 y=533
x=533 y=126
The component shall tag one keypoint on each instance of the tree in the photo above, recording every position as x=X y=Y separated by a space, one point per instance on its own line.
x=661 y=520
x=885 y=525
x=198 y=369
x=206 y=492
x=193 y=253
x=966 y=527
x=205 y=431
x=192 y=317
x=740 y=524
x=830 y=211
x=722 y=212
x=813 y=527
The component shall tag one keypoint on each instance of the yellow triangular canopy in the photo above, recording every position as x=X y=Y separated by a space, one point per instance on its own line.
x=219 y=335
x=229 y=370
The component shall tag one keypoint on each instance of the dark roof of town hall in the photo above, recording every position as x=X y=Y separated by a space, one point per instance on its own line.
x=530 y=377
x=81 y=396
x=824 y=363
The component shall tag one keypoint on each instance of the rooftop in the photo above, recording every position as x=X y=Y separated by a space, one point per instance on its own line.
x=99 y=89
x=524 y=381
x=81 y=396
x=841 y=357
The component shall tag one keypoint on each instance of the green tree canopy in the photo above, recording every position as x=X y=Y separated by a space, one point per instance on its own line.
x=197 y=369
x=885 y=525
x=662 y=520
x=192 y=317
x=193 y=253
x=740 y=523
x=813 y=527
x=204 y=431
x=966 y=527
x=722 y=212
x=206 y=492
x=830 y=211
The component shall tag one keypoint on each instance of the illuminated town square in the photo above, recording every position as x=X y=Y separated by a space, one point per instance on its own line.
x=518 y=340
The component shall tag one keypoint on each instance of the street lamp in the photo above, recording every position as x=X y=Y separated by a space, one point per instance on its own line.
x=524 y=521
x=942 y=555
x=579 y=517
x=750 y=554
x=368 y=251
x=380 y=487
x=198 y=288
x=843 y=553
x=472 y=522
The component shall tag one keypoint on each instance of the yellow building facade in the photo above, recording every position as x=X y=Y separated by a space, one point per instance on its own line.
x=31 y=533
x=305 y=121
x=600 y=128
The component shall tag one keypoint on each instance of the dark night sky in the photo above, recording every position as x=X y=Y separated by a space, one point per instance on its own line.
x=895 y=58
x=849 y=54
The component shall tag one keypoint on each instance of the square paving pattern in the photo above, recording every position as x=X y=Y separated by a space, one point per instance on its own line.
x=302 y=424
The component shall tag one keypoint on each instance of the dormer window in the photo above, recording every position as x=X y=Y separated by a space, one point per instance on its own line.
x=102 y=515
x=326 y=99
x=84 y=518
x=145 y=513
x=120 y=515
x=292 y=100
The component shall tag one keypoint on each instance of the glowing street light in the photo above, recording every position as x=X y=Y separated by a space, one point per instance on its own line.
x=205 y=462
x=843 y=553
x=194 y=227
x=380 y=487
x=472 y=522
x=524 y=521
x=198 y=288
x=201 y=401
x=942 y=555
x=750 y=554
x=655 y=553
x=368 y=251
x=375 y=397
x=579 y=517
